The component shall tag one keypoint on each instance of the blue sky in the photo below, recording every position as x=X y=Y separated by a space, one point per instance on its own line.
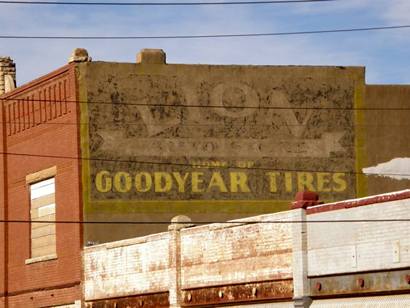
x=384 y=53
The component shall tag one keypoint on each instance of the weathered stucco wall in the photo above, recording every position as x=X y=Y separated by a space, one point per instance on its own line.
x=128 y=267
x=213 y=142
x=208 y=257
x=223 y=142
x=365 y=257
x=358 y=247
x=212 y=254
x=262 y=261
x=385 y=144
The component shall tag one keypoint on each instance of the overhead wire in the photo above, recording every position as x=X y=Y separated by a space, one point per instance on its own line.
x=190 y=165
x=164 y=3
x=203 y=36
x=32 y=124
x=246 y=222
x=198 y=106
x=115 y=103
x=196 y=165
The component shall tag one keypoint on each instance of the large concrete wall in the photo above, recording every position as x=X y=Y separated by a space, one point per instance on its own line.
x=384 y=146
x=164 y=140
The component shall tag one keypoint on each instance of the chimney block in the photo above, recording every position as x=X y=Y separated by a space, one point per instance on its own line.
x=151 y=56
x=7 y=75
x=79 y=55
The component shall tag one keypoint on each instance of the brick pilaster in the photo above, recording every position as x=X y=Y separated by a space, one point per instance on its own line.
x=177 y=224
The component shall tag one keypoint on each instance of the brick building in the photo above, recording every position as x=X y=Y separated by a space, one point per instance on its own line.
x=39 y=268
x=104 y=141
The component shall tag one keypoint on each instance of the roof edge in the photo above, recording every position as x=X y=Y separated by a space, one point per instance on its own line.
x=346 y=204
x=37 y=81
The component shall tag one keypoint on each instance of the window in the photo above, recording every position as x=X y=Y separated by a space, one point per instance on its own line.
x=42 y=208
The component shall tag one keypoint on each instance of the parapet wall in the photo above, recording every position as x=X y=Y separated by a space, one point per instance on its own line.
x=364 y=246
x=236 y=256
x=127 y=267
x=212 y=254
x=368 y=251
x=269 y=258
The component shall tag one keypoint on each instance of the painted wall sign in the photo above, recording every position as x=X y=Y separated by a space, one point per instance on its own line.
x=181 y=133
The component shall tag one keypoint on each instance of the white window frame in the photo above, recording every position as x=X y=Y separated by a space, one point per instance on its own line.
x=41 y=184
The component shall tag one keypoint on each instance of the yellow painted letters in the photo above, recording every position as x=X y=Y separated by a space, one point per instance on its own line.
x=122 y=182
x=273 y=187
x=217 y=182
x=143 y=182
x=323 y=181
x=197 y=181
x=103 y=181
x=163 y=181
x=338 y=178
x=305 y=181
x=239 y=182
x=180 y=180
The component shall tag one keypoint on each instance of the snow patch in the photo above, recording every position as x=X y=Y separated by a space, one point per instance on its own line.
x=397 y=168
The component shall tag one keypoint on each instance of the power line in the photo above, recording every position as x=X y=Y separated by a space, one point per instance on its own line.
x=22 y=100
x=249 y=222
x=200 y=3
x=198 y=166
x=204 y=36
x=192 y=125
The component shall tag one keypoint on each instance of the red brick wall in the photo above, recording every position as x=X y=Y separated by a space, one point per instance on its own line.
x=36 y=129
x=45 y=298
x=3 y=198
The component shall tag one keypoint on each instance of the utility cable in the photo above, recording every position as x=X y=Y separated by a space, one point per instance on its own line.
x=197 y=166
x=204 y=36
x=214 y=125
x=249 y=222
x=165 y=3
x=111 y=103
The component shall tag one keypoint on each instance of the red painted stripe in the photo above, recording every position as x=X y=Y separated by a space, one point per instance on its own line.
x=400 y=195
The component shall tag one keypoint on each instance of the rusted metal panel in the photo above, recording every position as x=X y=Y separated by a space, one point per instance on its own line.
x=247 y=292
x=146 y=301
x=361 y=283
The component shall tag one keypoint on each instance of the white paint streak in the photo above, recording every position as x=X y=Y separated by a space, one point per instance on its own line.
x=397 y=168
